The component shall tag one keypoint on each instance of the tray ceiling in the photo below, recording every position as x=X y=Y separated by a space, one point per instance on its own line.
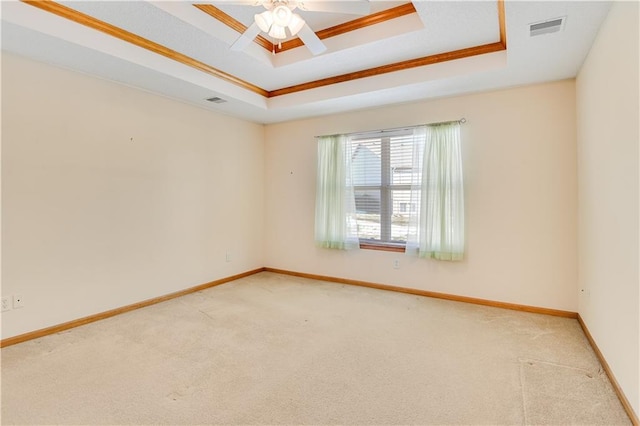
x=400 y=52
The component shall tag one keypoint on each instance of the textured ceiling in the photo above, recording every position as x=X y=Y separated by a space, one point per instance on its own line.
x=436 y=28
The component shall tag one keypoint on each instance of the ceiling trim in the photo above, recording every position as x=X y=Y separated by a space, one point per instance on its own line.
x=233 y=23
x=94 y=23
x=356 y=24
x=91 y=22
x=411 y=63
x=502 y=24
x=398 y=66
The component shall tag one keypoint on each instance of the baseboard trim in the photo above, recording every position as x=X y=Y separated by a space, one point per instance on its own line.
x=113 y=312
x=102 y=315
x=616 y=386
x=525 y=308
x=435 y=295
x=554 y=312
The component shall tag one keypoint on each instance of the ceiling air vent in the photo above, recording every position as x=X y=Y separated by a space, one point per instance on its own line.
x=547 y=27
x=216 y=100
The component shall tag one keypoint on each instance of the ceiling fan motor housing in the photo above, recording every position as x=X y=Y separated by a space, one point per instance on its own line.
x=279 y=16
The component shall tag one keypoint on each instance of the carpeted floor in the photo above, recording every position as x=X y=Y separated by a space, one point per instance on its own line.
x=274 y=349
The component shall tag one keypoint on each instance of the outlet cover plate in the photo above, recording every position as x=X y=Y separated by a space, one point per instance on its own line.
x=18 y=301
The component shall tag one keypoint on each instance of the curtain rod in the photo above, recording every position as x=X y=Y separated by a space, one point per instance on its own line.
x=396 y=129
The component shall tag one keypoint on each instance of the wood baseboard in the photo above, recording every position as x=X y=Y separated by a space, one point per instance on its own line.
x=616 y=386
x=525 y=308
x=417 y=292
x=113 y=312
x=554 y=312
x=102 y=315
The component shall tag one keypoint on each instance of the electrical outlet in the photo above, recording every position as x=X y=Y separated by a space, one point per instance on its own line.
x=396 y=264
x=228 y=257
x=6 y=304
x=18 y=301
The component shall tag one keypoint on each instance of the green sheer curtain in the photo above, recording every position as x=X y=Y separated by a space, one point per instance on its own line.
x=335 y=225
x=437 y=229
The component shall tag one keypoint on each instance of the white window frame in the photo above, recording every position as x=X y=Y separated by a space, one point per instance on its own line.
x=386 y=189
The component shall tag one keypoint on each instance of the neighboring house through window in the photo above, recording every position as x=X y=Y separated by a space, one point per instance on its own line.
x=399 y=189
x=381 y=170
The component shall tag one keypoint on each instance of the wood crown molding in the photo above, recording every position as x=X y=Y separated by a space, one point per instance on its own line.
x=232 y=23
x=94 y=23
x=365 y=21
x=411 y=63
x=385 y=69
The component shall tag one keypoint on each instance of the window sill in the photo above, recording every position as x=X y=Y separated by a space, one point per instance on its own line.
x=383 y=247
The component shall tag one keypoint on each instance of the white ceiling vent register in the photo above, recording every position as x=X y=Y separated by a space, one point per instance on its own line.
x=547 y=27
x=216 y=100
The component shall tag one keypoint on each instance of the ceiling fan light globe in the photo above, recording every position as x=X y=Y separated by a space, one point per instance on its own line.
x=281 y=15
x=277 y=32
x=264 y=20
x=295 y=24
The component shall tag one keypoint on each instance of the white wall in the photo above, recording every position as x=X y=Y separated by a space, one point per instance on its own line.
x=519 y=149
x=608 y=108
x=93 y=220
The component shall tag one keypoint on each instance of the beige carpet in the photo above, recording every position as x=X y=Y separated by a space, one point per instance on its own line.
x=273 y=349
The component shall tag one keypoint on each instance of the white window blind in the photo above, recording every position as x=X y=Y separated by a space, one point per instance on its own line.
x=395 y=189
x=382 y=167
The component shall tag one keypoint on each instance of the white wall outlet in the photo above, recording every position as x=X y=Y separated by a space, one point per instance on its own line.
x=396 y=264
x=18 y=301
x=6 y=303
x=228 y=257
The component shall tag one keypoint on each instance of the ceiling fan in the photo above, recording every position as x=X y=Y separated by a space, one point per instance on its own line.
x=280 y=21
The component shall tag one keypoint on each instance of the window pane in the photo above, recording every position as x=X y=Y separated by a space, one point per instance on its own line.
x=382 y=176
x=365 y=163
x=401 y=164
x=368 y=214
x=402 y=208
x=401 y=159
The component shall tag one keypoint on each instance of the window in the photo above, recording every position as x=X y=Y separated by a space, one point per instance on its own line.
x=396 y=190
x=381 y=171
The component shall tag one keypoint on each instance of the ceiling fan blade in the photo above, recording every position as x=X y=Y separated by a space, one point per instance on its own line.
x=246 y=38
x=352 y=7
x=311 y=40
